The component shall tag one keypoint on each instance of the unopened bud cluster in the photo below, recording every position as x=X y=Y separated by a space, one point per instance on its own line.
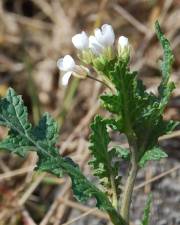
x=99 y=45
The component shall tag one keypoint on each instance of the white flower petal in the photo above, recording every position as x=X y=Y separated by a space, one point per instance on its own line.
x=66 y=64
x=105 y=36
x=123 y=42
x=80 y=41
x=98 y=35
x=65 y=78
x=60 y=64
x=108 y=33
x=95 y=46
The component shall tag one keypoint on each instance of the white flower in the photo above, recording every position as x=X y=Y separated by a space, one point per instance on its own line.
x=68 y=66
x=95 y=46
x=65 y=78
x=105 y=36
x=81 y=41
x=123 y=42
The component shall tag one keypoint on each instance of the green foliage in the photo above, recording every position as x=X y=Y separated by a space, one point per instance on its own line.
x=102 y=158
x=23 y=137
x=47 y=130
x=166 y=87
x=147 y=211
x=134 y=110
x=16 y=144
x=119 y=152
x=154 y=154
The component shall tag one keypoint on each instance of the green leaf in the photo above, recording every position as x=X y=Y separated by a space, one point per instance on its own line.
x=13 y=113
x=16 y=144
x=124 y=102
x=111 y=103
x=147 y=211
x=51 y=165
x=120 y=152
x=153 y=154
x=45 y=134
x=83 y=189
x=23 y=137
x=47 y=130
x=102 y=158
x=99 y=140
x=166 y=87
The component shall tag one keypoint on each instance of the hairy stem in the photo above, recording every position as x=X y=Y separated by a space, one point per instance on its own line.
x=129 y=186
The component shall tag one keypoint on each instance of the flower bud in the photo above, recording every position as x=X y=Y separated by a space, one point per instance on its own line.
x=123 y=42
x=123 y=47
x=105 y=36
x=81 y=41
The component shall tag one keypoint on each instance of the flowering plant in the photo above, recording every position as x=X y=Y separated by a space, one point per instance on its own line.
x=132 y=109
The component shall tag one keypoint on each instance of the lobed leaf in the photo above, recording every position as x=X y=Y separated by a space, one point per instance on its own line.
x=166 y=87
x=16 y=144
x=23 y=137
x=102 y=158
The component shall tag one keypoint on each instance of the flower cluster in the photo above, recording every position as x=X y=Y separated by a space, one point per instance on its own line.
x=101 y=44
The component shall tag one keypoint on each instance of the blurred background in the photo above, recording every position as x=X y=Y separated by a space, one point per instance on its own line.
x=33 y=35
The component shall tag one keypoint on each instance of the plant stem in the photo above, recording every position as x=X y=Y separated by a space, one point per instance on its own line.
x=68 y=100
x=100 y=81
x=129 y=186
x=115 y=218
x=114 y=192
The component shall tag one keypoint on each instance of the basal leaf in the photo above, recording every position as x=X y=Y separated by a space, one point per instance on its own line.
x=16 y=144
x=13 y=113
x=45 y=134
x=42 y=139
x=83 y=189
x=47 y=130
